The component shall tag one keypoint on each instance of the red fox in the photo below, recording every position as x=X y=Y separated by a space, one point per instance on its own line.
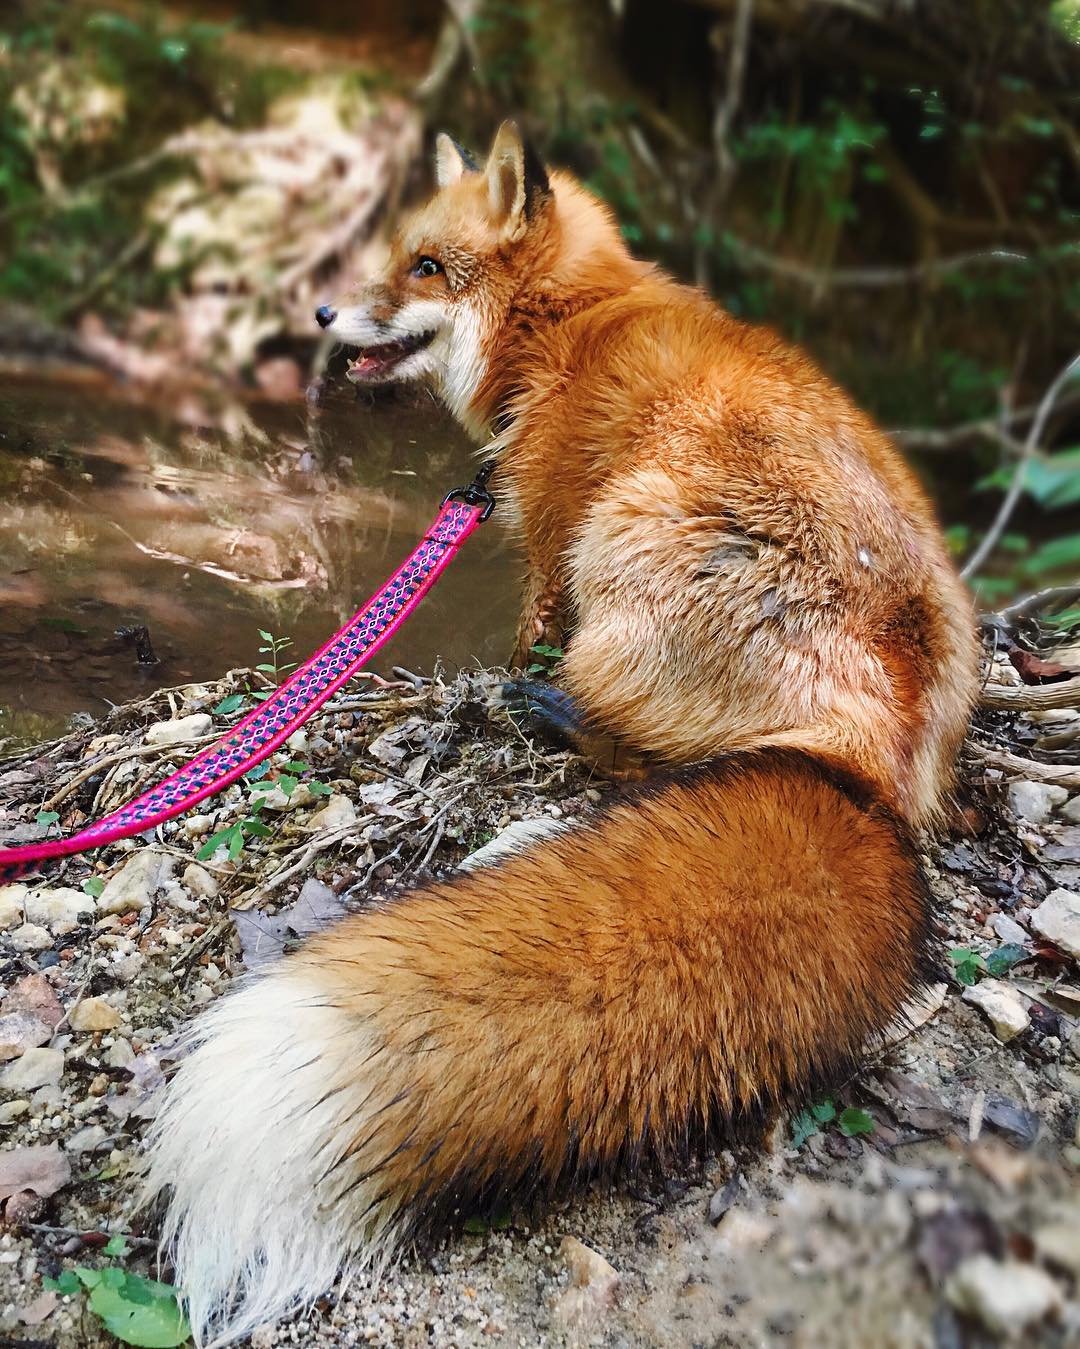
x=759 y=611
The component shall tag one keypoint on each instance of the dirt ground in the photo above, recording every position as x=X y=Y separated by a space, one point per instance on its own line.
x=933 y=1201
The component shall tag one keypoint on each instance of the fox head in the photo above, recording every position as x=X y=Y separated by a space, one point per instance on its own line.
x=461 y=266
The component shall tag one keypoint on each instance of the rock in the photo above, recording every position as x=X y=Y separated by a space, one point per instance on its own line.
x=12 y=905
x=1005 y=1297
x=197 y=825
x=1002 y=1005
x=276 y=799
x=13 y=1110
x=35 y=994
x=1059 y=1244
x=338 y=813
x=36 y=1068
x=120 y=1054
x=1058 y=920
x=179 y=729
x=1071 y=810
x=592 y=1283
x=93 y=1014
x=1009 y=930
x=58 y=909
x=138 y=882
x=31 y=937
x=1034 y=801
x=90 y=1138
x=1012 y=1121
x=199 y=881
x=20 y=1031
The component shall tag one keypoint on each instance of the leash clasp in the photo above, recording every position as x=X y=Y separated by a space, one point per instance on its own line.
x=476 y=494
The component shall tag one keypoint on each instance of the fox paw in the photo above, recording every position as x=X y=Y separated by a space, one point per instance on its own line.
x=548 y=710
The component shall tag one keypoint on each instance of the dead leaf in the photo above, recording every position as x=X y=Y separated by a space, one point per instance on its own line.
x=264 y=937
x=1032 y=669
x=43 y=1169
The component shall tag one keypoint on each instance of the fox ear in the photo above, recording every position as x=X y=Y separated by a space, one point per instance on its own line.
x=452 y=161
x=516 y=179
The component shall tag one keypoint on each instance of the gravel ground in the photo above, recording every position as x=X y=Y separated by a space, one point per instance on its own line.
x=955 y=1221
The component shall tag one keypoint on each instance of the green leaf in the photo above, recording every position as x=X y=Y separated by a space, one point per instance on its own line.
x=476 y=1226
x=262 y=696
x=255 y=827
x=320 y=788
x=236 y=843
x=46 y=817
x=257 y=773
x=232 y=703
x=809 y=1122
x=67 y=1284
x=266 y=669
x=854 y=1122
x=967 y=965
x=287 y=783
x=536 y=668
x=1002 y=960
x=223 y=838
x=141 y=1312
x=295 y=766
x=266 y=636
x=1055 y=555
x=824 y=1112
x=116 y=1245
x=93 y=886
x=555 y=652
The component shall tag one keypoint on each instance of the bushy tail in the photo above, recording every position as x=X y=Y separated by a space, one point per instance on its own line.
x=731 y=939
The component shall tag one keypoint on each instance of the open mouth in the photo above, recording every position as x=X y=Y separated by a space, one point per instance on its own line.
x=374 y=362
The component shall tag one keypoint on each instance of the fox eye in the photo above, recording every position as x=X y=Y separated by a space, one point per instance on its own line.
x=427 y=267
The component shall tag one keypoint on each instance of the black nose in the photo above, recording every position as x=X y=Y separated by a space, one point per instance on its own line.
x=324 y=315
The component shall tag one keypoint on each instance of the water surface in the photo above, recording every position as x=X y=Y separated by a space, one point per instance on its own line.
x=208 y=522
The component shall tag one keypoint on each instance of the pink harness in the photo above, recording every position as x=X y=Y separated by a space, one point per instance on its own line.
x=303 y=693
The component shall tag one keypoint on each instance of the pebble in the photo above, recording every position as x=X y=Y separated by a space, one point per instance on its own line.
x=1058 y=920
x=180 y=729
x=120 y=1054
x=20 y=1031
x=31 y=937
x=276 y=799
x=592 y=1283
x=37 y=1068
x=93 y=1014
x=1003 y=1006
x=35 y=994
x=1006 y=1297
x=199 y=881
x=1059 y=1243
x=90 y=1138
x=58 y=909
x=138 y=882
x=338 y=812
x=1035 y=801
x=12 y=904
x=1008 y=929
x=13 y=1110
x=197 y=825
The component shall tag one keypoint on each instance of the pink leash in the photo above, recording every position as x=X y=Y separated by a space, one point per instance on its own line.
x=303 y=693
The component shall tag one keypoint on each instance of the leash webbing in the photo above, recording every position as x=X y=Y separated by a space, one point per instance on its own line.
x=303 y=693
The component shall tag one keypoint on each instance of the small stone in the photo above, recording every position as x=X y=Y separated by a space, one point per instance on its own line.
x=128 y=968
x=31 y=937
x=199 y=881
x=276 y=799
x=1058 y=920
x=179 y=729
x=99 y=1085
x=592 y=1283
x=1059 y=1243
x=138 y=882
x=338 y=813
x=90 y=1138
x=35 y=994
x=298 y=742
x=1005 y=1297
x=20 y=1031
x=197 y=825
x=1034 y=801
x=120 y=1054
x=93 y=1014
x=13 y=1110
x=1002 y=1005
x=1071 y=810
x=1009 y=930
x=58 y=909
x=12 y=904
x=37 y=1068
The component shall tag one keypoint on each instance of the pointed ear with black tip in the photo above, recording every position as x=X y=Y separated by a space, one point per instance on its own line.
x=452 y=161
x=517 y=181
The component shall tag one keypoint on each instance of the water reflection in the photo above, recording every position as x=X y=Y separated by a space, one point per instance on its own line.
x=207 y=524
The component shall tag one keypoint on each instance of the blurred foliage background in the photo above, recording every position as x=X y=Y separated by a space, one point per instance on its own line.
x=894 y=183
